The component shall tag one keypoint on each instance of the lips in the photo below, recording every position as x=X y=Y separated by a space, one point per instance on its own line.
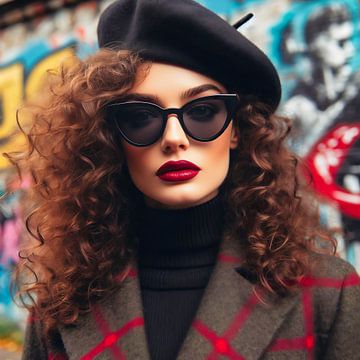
x=176 y=166
x=177 y=170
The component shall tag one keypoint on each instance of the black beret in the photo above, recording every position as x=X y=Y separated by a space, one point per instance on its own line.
x=185 y=33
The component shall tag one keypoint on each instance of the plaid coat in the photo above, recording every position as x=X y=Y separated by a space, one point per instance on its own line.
x=320 y=321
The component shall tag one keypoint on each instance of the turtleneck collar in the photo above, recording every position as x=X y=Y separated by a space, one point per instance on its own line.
x=180 y=239
x=181 y=229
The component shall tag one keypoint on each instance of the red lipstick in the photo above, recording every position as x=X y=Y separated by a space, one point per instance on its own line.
x=177 y=170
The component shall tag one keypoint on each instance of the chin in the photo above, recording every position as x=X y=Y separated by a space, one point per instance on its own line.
x=181 y=200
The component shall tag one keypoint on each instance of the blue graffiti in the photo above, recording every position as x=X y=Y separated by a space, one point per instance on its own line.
x=297 y=17
x=228 y=7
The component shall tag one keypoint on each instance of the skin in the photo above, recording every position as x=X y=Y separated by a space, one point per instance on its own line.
x=335 y=47
x=167 y=82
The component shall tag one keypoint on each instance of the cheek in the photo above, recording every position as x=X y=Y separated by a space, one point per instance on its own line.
x=216 y=157
x=139 y=163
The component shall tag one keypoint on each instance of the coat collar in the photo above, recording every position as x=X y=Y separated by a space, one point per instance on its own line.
x=231 y=320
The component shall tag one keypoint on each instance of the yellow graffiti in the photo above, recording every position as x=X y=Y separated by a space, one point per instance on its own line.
x=11 y=93
x=12 y=90
x=37 y=76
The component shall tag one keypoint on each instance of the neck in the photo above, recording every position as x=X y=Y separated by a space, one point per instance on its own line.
x=182 y=239
x=181 y=229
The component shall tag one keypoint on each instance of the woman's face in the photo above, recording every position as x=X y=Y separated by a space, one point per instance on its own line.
x=178 y=189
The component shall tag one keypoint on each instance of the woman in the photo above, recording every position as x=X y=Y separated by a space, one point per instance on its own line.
x=169 y=220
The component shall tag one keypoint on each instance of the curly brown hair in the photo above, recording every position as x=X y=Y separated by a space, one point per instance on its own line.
x=82 y=199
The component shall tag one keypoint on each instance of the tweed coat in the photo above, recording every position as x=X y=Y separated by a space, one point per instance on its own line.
x=321 y=320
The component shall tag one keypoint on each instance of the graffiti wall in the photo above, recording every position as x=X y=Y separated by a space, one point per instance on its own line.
x=314 y=45
x=27 y=51
x=317 y=49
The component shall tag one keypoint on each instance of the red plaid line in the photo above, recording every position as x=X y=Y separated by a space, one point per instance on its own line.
x=352 y=279
x=32 y=317
x=221 y=344
x=110 y=338
x=229 y=258
x=307 y=342
x=126 y=273
x=57 y=357
x=308 y=322
x=298 y=343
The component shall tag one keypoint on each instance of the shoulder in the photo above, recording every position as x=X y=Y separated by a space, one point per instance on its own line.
x=39 y=346
x=333 y=285
x=330 y=266
x=331 y=275
x=331 y=299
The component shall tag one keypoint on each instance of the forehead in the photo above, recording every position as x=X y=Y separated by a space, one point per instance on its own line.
x=341 y=31
x=163 y=78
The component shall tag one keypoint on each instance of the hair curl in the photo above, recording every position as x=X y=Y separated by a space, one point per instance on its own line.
x=270 y=207
x=82 y=199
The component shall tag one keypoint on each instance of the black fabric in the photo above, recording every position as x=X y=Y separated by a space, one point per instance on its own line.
x=177 y=253
x=186 y=34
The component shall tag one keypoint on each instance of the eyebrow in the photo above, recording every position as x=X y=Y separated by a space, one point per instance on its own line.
x=184 y=95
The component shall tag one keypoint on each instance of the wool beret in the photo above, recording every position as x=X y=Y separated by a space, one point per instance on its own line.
x=189 y=35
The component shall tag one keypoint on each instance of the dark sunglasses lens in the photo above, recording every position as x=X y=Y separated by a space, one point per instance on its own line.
x=139 y=123
x=205 y=118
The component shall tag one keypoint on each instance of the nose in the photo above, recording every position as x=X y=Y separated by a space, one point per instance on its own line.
x=174 y=137
x=350 y=49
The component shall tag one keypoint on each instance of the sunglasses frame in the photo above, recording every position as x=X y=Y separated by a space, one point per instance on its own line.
x=231 y=101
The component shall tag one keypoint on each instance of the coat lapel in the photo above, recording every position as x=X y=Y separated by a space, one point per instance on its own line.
x=113 y=330
x=230 y=321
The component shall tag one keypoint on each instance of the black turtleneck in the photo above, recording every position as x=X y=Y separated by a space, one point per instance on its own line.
x=176 y=255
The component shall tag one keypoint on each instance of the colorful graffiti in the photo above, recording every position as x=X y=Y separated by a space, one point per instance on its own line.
x=317 y=50
x=12 y=90
x=27 y=51
x=315 y=46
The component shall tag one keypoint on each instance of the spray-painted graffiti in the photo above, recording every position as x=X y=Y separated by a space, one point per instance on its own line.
x=17 y=82
x=27 y=51
x=315 y=47
x=317 y=50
